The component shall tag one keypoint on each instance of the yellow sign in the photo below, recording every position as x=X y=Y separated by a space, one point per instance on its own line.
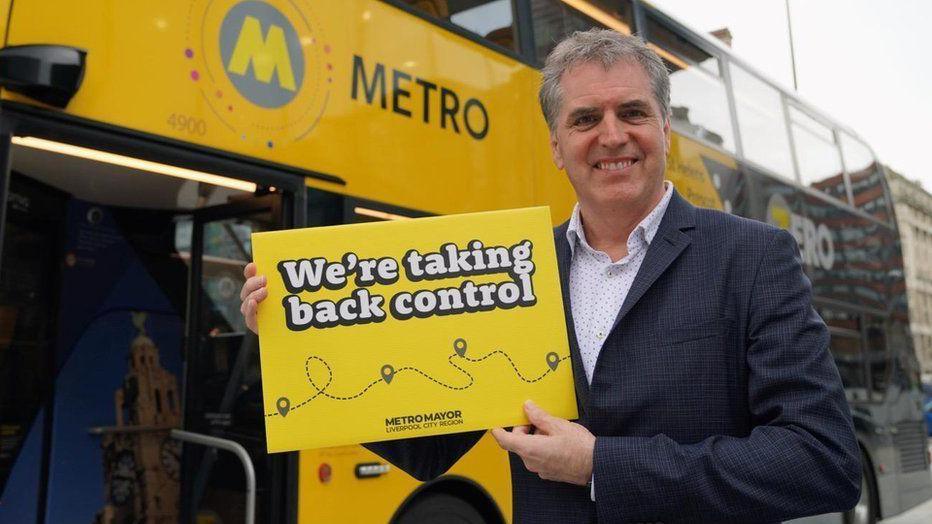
x=390 y=330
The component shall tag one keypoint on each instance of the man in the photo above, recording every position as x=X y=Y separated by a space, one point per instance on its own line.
x=706 y=392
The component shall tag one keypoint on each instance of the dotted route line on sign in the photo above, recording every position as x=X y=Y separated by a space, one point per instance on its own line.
x=389 y=373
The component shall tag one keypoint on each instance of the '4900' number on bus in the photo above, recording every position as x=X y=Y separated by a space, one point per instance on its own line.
x=187 y=124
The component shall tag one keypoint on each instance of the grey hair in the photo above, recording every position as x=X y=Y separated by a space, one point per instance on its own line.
x=606 y=47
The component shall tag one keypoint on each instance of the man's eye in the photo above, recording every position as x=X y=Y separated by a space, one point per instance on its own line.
x=633 y=113
x=584 y=120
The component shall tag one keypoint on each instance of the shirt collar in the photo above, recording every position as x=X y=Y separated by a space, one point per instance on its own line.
x=647 y=227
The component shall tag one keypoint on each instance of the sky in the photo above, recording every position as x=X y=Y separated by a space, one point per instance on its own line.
x=864 y=63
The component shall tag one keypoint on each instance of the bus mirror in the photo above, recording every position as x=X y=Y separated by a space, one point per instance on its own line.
x=50 y=74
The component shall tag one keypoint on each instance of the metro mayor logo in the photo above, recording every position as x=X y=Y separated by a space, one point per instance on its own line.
x=258 y=35
x=451 y=417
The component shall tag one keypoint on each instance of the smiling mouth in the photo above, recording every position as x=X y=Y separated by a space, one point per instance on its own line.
x=615 y=165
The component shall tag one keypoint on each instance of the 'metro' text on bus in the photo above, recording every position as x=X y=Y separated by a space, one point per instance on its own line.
x=444 y=106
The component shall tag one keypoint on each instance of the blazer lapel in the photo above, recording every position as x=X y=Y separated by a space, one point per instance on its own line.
x=564 y=261
x=666 y=246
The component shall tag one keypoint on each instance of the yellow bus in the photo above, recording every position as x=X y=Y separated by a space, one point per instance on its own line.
x=142 y=142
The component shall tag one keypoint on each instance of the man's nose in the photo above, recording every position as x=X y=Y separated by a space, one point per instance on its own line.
x=613 y=132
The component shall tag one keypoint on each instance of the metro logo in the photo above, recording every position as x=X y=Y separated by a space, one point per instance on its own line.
x=257 y=34
x=816 y=246
x=266 y=54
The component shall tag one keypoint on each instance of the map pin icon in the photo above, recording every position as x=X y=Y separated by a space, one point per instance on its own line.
x=388 y=373
x=459 y=345
x=283 y=405
x=552 y=360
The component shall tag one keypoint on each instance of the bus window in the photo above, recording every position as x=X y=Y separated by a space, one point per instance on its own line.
x=34 y=217
x=761 y=123
x=490 y=19
x=878 y=358
x=846 y=347
x=866 y=178
x=554 y=19
x=324 y=208
x=817 y=155
x=697 y=92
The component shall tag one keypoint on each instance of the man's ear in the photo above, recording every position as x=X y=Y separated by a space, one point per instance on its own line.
x=555 y=150
x=667 y=134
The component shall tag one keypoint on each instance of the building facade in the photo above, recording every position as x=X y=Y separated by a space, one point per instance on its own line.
x=913 y=206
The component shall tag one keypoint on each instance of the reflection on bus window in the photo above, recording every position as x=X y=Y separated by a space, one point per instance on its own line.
x=35 y=214
x=760 y=119
x=846 y=350
x=878 y=359
x=866 y=177
x=817 y=155
x=490 y=19
x=840 y=319
x=697 y=92
x=553 y=20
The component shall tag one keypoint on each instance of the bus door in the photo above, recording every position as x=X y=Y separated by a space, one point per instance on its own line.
x=223 y=394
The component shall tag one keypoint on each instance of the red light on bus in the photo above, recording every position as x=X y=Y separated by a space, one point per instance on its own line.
x=881 y=468
x=324 y=472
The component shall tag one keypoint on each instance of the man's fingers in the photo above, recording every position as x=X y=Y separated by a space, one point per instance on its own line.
x=259 y=295
x=503 y=438
x=540 y=418
x=252 y=283
x=521 y=430
x=250 y=315
x=509 y=440
x=250 y=270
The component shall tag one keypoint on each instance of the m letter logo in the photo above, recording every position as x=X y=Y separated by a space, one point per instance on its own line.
x=261 y=54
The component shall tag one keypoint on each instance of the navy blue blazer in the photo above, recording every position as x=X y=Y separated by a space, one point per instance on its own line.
x=714 y=397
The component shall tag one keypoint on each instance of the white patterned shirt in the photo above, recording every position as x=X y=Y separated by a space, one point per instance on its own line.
x=598 y=286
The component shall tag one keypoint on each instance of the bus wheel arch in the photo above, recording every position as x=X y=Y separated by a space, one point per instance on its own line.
x=449 y=492
x=868 y=483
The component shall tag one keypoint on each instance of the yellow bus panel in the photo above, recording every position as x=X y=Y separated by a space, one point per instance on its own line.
x=357 y=89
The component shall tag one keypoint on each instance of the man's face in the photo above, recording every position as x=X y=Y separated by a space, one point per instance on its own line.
x=610 y=136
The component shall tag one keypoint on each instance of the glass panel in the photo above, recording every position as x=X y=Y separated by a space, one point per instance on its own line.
x=554 y=20
x=850 y=361
x=698 y=99
x=490 y=19
x=817 y=155
x=31 y=259
x=845 y=345
x=840 y=319
x=224 y=388
x=227 y=250
x=866 y=177
x=878 y=358
x=760 y=118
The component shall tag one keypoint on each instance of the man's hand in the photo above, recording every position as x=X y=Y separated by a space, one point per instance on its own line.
x=558 y=450
x=253 y=292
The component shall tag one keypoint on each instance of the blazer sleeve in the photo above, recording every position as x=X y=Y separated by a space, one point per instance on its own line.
x=800 y=458
x=426 y=458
